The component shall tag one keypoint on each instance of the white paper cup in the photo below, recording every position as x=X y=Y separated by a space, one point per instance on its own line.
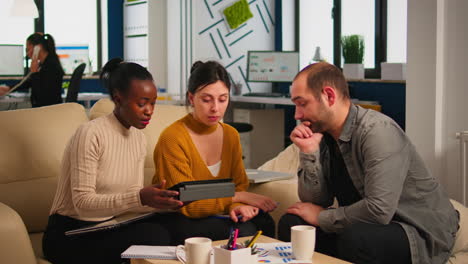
x=197 y=251
x=303 y=241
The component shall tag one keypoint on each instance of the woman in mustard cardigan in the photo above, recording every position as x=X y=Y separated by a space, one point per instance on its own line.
x=200 y=147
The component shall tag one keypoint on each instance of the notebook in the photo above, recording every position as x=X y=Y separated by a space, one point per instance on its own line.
x=149 y=252
x=258 y=176
x=115 y=222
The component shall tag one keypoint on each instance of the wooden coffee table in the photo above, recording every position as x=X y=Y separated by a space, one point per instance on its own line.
x=318 y=258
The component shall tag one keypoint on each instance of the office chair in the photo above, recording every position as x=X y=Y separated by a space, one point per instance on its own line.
x=241 y=127
x=74 y=87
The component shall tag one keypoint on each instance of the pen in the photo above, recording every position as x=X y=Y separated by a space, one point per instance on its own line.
x=259 y=232
x=239 y=217
x=235 y=238
x=231 y=236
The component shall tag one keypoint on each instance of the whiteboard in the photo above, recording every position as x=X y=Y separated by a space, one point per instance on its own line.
x=272 y=66
x=12 y=60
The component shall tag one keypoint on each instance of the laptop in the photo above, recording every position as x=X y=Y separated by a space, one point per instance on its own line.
x=258 y=176
x=115 y=222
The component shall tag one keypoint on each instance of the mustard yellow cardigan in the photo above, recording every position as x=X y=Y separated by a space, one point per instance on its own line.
x=177 y=159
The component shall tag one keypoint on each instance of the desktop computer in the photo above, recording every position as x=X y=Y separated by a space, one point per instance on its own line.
x=12 y=60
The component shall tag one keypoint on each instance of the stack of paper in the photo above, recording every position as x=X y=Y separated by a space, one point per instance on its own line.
x=150 y=252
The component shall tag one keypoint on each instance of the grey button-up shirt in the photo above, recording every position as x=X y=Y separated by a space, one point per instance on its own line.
x=392 y=179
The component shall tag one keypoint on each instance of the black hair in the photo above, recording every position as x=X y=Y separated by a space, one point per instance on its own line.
x=46 y=41
x=117 y=75
x=206 y=73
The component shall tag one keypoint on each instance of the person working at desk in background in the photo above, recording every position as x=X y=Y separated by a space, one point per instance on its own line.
x=46 y=73
x=391 y=209
x=200 y=147
x=102 y=176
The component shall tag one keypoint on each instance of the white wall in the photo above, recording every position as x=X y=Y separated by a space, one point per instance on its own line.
x=194 y=34
x=436 y=92
x=455 y=87
x=421 y=79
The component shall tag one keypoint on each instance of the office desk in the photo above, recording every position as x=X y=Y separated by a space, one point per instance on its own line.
x=262 y=100
x=287 y=101
x=317 y=258
x=24 y=97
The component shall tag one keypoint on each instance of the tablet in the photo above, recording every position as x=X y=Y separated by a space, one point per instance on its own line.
x=205 y=189
x=186 y=183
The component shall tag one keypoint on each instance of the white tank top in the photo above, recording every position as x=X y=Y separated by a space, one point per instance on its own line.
x=214 y=169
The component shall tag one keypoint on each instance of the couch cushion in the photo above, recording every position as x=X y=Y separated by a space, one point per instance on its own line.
x=461 y=242
x=33 y=141
x=36 y=242
x=284 y=192
x=163 y=116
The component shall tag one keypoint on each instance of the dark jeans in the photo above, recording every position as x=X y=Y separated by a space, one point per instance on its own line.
x=101 y=246
x=183 y=227
x=360 y=243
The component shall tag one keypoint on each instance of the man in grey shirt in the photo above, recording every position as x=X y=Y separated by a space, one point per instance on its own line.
x=391 y=209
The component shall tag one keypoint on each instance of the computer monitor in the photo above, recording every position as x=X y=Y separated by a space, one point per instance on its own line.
x=12 y=60
x=272 y=66
x=72 y=55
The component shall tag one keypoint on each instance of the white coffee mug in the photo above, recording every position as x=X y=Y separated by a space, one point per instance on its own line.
x=303 y=241
x=197 y=251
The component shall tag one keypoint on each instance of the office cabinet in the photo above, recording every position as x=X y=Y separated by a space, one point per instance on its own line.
x=145 y=37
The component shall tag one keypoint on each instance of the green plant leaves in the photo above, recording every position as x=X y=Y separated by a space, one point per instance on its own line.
x=238 y=13
x=353 y=48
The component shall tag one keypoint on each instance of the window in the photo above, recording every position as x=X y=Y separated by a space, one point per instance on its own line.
x=73 y=23
x=396 y=30
x=69 y=22
x=14 y=29
x=318 y=32
x=381 y=22
x=357 y=18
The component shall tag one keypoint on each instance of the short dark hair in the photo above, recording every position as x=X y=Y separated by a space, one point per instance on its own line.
x=206 y=73
x=117 y=75
x=321 y=74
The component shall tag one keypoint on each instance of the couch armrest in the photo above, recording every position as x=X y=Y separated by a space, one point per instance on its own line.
x=286 y=161
x=15 y=245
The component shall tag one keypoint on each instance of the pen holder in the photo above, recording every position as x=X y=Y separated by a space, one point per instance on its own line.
x=241 y=255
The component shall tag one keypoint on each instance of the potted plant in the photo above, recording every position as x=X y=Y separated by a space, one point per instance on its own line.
x=353 y=54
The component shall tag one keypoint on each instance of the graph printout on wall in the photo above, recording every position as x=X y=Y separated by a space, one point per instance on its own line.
x=272 y=66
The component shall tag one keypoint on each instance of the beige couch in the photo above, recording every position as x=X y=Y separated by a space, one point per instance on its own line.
x=32 y=143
